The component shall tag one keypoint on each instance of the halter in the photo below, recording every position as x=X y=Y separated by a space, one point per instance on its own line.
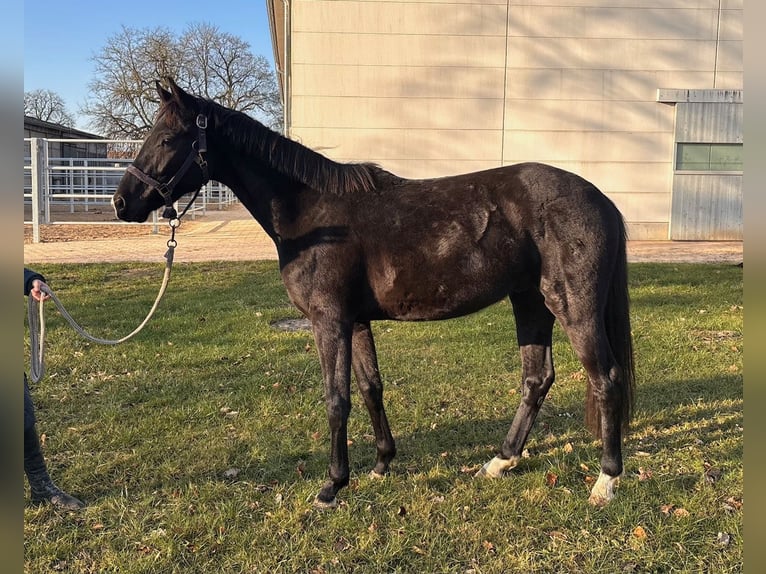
x=199 y=147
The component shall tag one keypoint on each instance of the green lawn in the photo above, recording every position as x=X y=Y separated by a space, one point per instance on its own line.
x=200 y=444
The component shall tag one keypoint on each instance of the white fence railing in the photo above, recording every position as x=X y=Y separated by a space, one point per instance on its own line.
x=60 y=188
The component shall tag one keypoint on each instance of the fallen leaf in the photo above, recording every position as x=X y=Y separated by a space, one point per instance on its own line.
x=558 y=535
x=315 y=435
x=589 y=480
x=373 y=526
x=488 y=546
x=723 y=539
x=667 y=509
x=301 y=468
x=584 y=467
x=551 y=479
x=712 y=475
x=418 y=550
x=644 y=473
x=731 y=504
x=639 y=532
x=231 y=473
x=470 y=469
x=97 y=526
x=568 y=448
x=680 y=513
x=341 y=544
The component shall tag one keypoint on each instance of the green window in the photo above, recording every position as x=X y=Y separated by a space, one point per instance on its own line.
x=708 y=157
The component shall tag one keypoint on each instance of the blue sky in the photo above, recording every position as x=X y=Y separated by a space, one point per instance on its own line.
x=60 y=38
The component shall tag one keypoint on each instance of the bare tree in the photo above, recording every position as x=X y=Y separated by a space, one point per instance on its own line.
x=203 y=59
x=48 y=106
x=229 y=73
x=123 y=99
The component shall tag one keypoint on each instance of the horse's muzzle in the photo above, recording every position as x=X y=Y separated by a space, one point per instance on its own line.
x=119 y=205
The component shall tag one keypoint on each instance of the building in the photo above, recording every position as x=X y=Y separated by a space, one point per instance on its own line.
x=644 y=100
x=35 y=128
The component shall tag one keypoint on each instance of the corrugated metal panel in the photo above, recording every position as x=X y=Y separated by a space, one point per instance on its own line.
x=709 y=123
x=707 y=207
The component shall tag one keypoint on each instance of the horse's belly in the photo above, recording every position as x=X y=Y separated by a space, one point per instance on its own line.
x=421 y=296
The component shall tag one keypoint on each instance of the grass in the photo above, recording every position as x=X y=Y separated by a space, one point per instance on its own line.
x=200 y=444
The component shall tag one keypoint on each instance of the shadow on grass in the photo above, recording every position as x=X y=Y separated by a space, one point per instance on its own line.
x=670 y=416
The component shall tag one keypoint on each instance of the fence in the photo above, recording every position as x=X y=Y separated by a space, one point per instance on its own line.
x=72 y=181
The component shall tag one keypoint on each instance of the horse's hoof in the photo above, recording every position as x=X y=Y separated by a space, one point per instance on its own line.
x=482 y=472
x=598 y=501
x=497 y=467
x=322 y=505
x=603 y=491
x=487 y=471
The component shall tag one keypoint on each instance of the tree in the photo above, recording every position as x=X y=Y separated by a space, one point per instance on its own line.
x=48 y=106
x=204 y=60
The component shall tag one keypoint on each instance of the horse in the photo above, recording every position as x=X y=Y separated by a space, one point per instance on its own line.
x=357 y=244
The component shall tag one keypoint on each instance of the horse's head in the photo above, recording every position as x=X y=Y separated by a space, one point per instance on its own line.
x=172 y=160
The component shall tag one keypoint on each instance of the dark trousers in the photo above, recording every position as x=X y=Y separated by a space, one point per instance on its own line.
x=29 y=407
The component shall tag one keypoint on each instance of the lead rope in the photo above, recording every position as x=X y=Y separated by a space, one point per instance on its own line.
x=36 y=315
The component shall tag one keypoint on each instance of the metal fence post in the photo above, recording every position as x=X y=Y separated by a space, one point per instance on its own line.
x=34 y=149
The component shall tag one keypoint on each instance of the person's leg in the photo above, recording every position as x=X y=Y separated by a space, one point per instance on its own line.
x=40 y=483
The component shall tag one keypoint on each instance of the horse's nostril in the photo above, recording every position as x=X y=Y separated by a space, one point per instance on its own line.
x=118 y=203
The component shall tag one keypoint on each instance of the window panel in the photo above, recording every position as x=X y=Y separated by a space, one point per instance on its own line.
x=708 y=157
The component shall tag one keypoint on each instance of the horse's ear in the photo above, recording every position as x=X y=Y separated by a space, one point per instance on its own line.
x=184 y=100
x=165 y=96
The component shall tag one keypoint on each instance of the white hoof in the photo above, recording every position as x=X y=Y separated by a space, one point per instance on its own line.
x=603 y=491
x=322 y=505
x=497 y=467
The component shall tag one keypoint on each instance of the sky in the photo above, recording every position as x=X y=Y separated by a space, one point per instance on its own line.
x=61 y=38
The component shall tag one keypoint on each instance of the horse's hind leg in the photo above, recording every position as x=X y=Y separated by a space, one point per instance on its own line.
x=534 y=329
x=364 y=361
x=604 y=405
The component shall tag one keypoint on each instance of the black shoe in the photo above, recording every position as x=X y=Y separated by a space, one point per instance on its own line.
x=40 y=483
x=43 y=490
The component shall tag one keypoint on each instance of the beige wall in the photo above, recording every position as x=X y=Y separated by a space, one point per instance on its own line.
x=433 y=88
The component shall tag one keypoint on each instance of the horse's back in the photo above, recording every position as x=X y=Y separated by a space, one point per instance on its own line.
x=436 y=248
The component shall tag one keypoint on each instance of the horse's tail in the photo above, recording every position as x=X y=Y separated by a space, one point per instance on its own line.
x=617 y=322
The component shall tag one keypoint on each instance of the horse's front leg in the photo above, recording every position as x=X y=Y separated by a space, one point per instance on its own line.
x=333 y=340
x=365 y=365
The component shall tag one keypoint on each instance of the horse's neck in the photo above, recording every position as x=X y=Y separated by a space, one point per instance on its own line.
x=259 y=195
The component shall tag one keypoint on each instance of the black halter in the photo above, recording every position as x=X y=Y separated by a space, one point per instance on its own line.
x=199 y=147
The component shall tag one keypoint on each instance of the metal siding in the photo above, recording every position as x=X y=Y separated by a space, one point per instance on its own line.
x=707 y=207
x=709 y=123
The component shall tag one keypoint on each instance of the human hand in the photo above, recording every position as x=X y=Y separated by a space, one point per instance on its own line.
x=36 y=292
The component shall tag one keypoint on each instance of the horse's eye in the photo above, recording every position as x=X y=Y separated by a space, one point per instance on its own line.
x=165 y=142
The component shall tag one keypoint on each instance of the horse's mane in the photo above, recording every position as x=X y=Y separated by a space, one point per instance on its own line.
x=284 y=155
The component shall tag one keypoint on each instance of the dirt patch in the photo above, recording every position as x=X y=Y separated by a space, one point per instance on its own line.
x=291 y=325
x=75 y=232
x=64 y=232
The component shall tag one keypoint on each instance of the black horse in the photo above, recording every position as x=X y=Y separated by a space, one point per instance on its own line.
x=357 y=243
